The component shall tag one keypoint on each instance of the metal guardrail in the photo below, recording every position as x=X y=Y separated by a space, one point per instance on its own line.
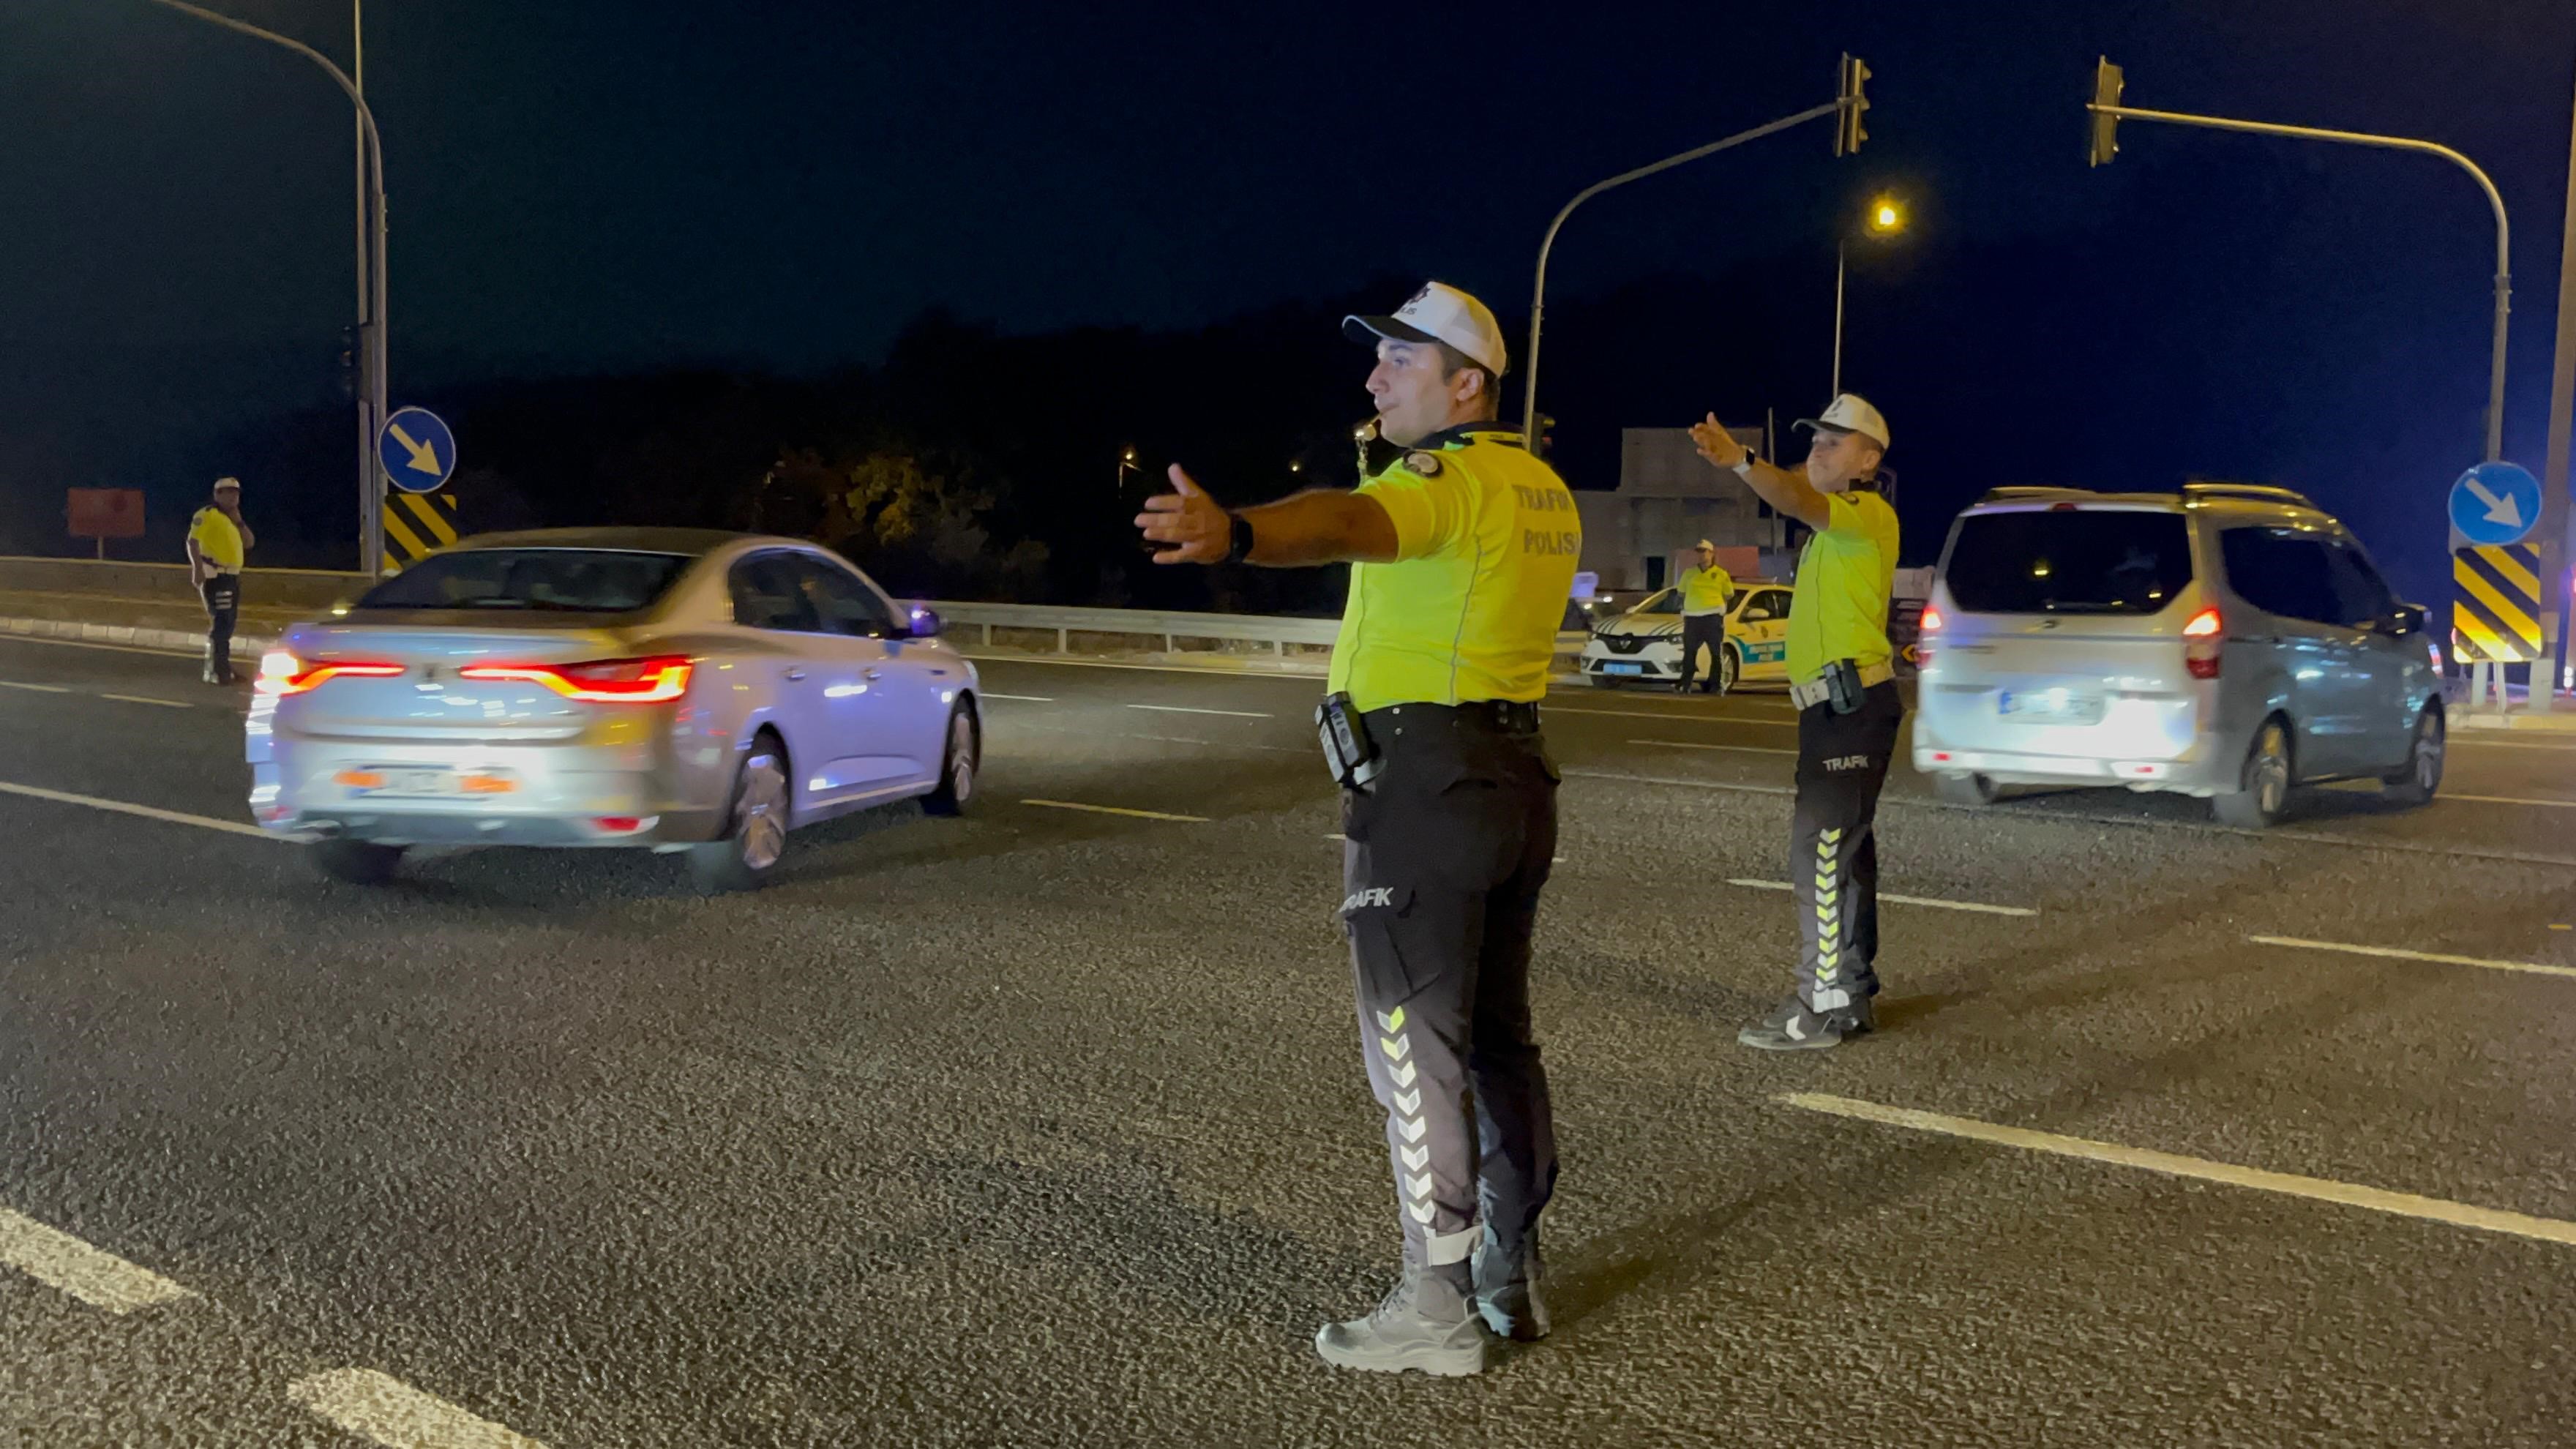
x=1177 y=632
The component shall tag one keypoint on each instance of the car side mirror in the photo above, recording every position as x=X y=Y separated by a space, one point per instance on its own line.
x=925 y=624
x=2408 y=619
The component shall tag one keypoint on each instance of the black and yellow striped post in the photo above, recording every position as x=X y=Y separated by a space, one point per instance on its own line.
x=417 y=525
x=2495 y=603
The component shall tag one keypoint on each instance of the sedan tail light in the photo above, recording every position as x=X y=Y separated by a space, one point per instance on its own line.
x=2203 y=642
x=282 y=673
x=654 y=680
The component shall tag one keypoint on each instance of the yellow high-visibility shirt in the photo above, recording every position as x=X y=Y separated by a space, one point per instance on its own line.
x=1705 y=591
x=1838 y=608
x=217 y=538
x=1486 y=545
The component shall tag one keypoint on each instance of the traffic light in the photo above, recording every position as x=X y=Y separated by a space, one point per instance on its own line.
x=1546 y=437
x=1848 y=131
x=2106 y=92
x=349 y=364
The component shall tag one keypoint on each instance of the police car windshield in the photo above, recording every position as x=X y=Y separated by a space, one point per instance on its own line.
x=569 y=580
x=2070 y=561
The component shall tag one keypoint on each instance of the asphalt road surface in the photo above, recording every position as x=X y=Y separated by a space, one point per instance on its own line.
x=1047 y=1126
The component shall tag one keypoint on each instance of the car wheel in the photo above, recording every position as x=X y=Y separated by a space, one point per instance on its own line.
x=965 y=755
x=1964 y=789
x=755 y=837
x=2263 y=785
x=2415 y=784
x=358 y=862
x=1730 y=666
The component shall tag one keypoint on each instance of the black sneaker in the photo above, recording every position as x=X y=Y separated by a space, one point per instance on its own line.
x=1794 y=1026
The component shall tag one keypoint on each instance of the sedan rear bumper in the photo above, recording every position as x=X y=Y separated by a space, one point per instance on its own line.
x=548 y=795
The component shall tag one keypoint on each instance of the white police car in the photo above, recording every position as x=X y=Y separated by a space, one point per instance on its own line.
x=1644 y=645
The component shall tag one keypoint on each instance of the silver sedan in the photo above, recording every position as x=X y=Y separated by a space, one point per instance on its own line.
x=676 y=689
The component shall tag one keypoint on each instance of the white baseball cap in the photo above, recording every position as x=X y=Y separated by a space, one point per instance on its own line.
x=1439 y=313
x=1704 y=543
x=1850 y=413
x=232 y=483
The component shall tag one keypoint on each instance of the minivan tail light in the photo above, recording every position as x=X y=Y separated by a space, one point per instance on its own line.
x=2203 y=643
x=653 y=680
x=282 y=673
x=1929 y=625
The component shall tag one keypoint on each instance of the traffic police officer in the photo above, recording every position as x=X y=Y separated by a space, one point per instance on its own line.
x=1844 y=687
x=1464 y=555
x=218 y=538
x=1705 y=593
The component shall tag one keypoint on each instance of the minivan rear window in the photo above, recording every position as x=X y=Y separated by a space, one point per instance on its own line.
x=570 y=580
x=2070 y=561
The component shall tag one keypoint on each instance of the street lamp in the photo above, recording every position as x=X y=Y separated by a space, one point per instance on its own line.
x=1886 y=218
x=371 y=288
x=1126 y=465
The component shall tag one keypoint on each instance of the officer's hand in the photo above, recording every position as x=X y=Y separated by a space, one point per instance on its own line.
x=1197 y=530
x=1716 y=444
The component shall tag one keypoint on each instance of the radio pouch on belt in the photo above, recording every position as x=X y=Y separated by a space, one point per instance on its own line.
x=1843 y=687
x=1348 y=751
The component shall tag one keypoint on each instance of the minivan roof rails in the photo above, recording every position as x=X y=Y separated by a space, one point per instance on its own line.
x=2257 y=492
x=2025 y=492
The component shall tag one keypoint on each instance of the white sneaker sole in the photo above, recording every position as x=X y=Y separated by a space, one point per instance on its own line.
x=1447 y=1363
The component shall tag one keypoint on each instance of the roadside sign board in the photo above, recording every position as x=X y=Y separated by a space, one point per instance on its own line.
x=2495 y=503
x=2495 y=604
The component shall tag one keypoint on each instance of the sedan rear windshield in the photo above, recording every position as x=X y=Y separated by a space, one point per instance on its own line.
x=2075 y=561
x=570 y=580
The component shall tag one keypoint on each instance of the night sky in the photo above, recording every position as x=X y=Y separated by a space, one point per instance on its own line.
x=583 y=186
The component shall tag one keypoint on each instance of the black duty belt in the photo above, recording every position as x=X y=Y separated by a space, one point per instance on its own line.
x=1512 y=717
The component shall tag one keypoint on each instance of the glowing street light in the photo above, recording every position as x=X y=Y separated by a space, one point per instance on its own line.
x=1885 y=218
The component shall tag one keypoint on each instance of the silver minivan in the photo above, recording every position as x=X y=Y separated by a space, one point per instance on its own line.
x=2228 y=642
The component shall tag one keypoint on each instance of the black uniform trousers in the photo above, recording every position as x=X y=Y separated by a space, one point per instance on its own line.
x=1448 y=849
x=1833 y=845
x=223 y=606
x=1703 y=631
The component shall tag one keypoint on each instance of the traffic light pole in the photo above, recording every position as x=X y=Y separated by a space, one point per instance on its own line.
x=371 y=550
x=1849 y=101
x=2504 y=248
x=2554 y=604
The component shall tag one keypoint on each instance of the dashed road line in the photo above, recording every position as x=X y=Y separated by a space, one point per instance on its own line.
x=127 y=807
x=1338 y=836
x=1185 y=709
x=2508 y=800
x=1695 y=745
x=2435 y=957
x=147 y=699
x=1022 y=698
x=1668 y=716
x=38 y=688
x=391 y=1412
x=1977 y=906
x=1116 y=810
x=2318 y=1189
x=93 y=1275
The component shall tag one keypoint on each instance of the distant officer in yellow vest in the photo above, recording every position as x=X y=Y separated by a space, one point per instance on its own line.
x=1706 y=591
x=1842 y=682
x=218 y=539
x=1463 y=556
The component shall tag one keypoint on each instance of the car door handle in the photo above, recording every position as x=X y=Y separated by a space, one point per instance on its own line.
x=795 y=674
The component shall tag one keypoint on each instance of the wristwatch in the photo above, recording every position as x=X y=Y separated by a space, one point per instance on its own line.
x=1743 y=467
x=1241 y=547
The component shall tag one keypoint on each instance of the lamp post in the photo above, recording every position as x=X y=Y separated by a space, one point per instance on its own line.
x=1886 y=218
x=1126 y=465
x=371 y=279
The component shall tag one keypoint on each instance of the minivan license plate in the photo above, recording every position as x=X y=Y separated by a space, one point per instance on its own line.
x=2055 y=706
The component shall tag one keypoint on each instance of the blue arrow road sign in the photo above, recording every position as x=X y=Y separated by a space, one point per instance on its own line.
x=419 y=452
x=2495 y=503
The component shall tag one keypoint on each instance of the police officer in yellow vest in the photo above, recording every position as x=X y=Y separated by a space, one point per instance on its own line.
x=1464 y=554
x=1706 y=591
x=218 y=539
x=1843 y=684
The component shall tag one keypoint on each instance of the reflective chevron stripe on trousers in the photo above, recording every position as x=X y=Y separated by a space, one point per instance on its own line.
x=1448 y=850
x=1833 y=846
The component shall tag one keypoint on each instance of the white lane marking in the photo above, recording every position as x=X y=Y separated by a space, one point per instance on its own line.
x=2321 y=1189
x=1782 y=885
x=93 y=1275
x=1185 y=709
x=2455 y=741
x=1693 y=784
x=1214 y=744
x=1668 y=716
x=122 y=807
x=147 y=699
x=2508 y=800
x=389 y=1411
x=1739 y=749
x=38 y=688
x=10 y=638
x=2437 y=958
x=1116 y=810
x=1023 y=698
